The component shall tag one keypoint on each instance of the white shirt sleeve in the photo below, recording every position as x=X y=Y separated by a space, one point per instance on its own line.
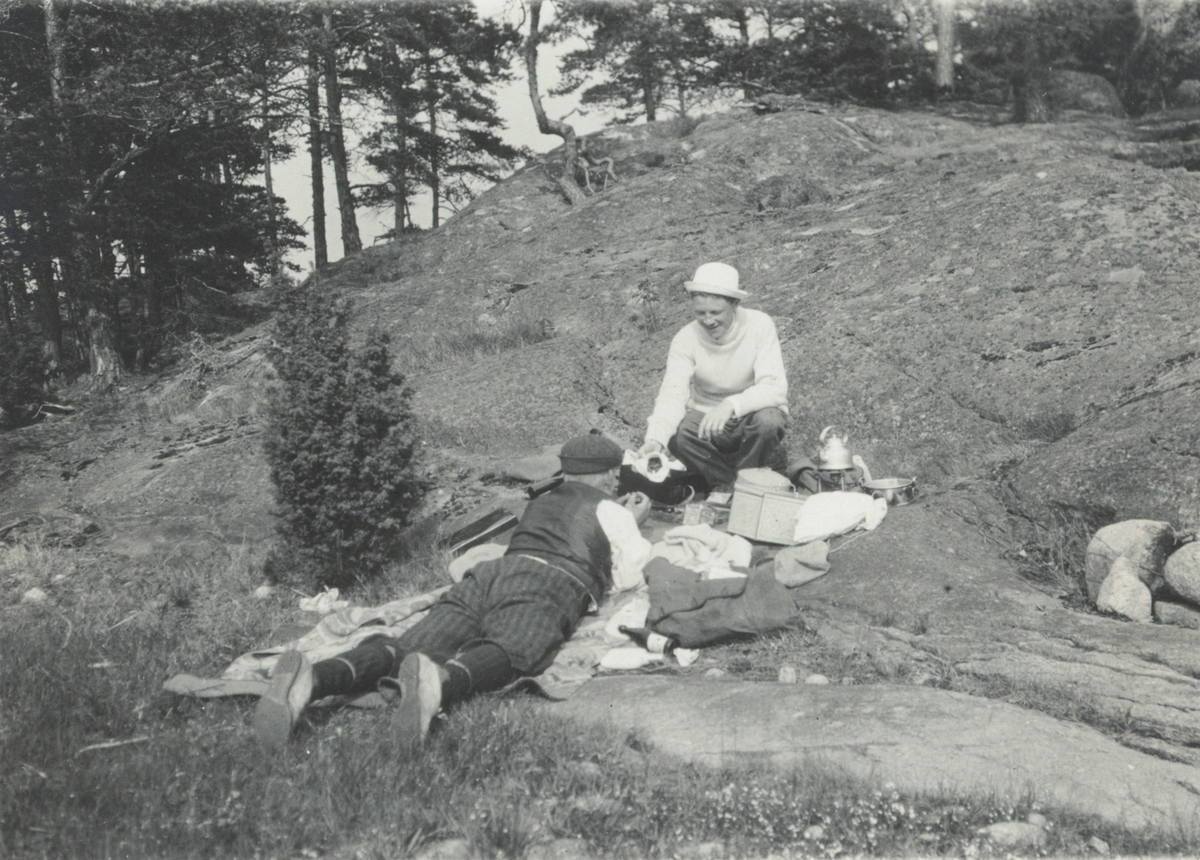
x=676 y=389
x=630 y=551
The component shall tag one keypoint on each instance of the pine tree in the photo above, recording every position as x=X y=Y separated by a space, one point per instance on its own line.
x=340 y=443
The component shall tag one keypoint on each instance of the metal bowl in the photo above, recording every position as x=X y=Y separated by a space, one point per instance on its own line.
x=896 y=491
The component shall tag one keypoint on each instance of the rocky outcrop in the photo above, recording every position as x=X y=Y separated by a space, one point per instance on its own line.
x=916 y=738
x=1083 y=91
x=1185 y=95
x=928 y=594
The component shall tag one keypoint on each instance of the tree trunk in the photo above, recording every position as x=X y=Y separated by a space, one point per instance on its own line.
x=55 y=46
x=945 y=45
x=400 y=179
x=566 y=182
x=316 y=156
x=46 y=297
x=435 y=166
x=742 y=17
x=1031 y=86
x=102 y=356
x=351 y=241
x=47 y=293
x=912 y=23
x=269 y=184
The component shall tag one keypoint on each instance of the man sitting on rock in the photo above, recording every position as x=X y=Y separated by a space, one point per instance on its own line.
x=722 y=406
x=507 y=617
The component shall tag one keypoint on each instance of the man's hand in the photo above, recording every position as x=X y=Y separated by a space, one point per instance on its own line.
x=649 y=448
x=715 y=420
x=638 y=505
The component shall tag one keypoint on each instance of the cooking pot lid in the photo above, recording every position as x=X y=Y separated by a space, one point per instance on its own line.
x=888 y=483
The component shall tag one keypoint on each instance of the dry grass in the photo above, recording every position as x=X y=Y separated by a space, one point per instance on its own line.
x=98 y=761
x=470 y=342
x=1053 y=555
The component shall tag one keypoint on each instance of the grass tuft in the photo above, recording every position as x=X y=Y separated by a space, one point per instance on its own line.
x=418 y=354
x=1053 y=556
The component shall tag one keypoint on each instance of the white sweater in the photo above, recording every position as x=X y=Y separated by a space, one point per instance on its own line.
x=744 y=366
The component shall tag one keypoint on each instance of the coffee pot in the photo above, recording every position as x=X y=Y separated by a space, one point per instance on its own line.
x=834 y=454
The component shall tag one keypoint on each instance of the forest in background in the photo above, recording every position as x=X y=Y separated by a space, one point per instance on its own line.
x=137 y=140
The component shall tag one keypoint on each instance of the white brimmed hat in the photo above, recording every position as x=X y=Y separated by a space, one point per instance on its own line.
x=720 y=279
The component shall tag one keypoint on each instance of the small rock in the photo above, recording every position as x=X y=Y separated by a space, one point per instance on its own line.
x=1098 y=845
x=814 y=831
x=585 y=770
x=714 y=673
x=1179 y=614
x=560 y=849
x=787 y=674
x=816 y=678
x=449 y=849
x=1013 y=834
x=1182 y=571
x=1128 y=277
x=263 y=591
x=1036 y=818
x=34 y=595
x=1124 y=593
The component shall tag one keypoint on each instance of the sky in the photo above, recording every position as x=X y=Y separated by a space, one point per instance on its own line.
x=292 y=177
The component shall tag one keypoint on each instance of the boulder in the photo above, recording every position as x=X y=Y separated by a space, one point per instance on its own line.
x=1186 y=94
x=1085 y=92
x=1182 y=572
x=1144 y=542
x=1015 y=834
x=1179 y=614
x=1124 y=593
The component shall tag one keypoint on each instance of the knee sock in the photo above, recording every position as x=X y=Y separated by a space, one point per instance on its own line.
x=356 y=671
x=477 y=670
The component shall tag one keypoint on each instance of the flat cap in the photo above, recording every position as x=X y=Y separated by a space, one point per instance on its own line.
x=585 y=455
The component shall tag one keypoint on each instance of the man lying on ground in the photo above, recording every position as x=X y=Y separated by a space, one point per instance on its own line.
x=507 y=618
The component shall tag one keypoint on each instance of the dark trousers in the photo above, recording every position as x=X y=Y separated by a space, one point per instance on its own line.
x=512 y=611
x=750 y=442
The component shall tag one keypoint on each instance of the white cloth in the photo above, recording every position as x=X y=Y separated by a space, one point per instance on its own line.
x=745 y=365
x=324 y=603
x=630 y=551
x=631 y=614
x=653 y=467
x=827 y=515
x=704 y=549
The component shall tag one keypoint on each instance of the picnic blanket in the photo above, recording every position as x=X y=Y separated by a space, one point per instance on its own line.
x=577 y=661
x=699 y=548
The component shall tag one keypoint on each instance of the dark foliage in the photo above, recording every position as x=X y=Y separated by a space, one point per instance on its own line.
x=24 y=373
x=340 y=444
x=833 y=50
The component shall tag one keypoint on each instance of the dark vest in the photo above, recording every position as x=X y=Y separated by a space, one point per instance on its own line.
x=561 y=528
